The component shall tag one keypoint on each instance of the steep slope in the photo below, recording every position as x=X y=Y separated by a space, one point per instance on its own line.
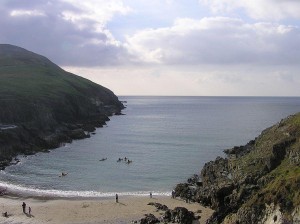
x=256 y=183
x=43 y=105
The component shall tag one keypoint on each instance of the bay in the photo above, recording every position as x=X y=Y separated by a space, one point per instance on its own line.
x=167 y=138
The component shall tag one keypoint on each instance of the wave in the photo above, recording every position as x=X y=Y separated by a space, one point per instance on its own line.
x=35 y=192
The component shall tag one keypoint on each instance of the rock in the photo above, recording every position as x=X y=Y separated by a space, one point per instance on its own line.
x=278 y=153
x=179 y=215
x=149 y=219
x=78 y=134
x=181 y=190
x=159 y=206
x=89 y=127
x=239 y=151
x=193 y=180
x=119 y=113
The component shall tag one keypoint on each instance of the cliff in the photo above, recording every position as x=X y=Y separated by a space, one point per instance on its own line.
x=256 y=183
x=41 y=105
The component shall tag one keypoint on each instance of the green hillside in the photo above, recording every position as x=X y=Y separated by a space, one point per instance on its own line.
x=45 y=102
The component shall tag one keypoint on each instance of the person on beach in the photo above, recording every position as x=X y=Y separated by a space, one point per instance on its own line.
x=29 y=210
x=24 y=207
x=117 y=198
x=150 y=194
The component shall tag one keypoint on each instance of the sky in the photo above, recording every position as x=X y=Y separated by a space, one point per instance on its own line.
x=165 y=47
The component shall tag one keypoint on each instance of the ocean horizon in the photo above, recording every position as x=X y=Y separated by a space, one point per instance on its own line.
x=168 y=139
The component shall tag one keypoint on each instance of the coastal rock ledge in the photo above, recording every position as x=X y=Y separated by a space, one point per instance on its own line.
x=256 y=183
x=43 y=106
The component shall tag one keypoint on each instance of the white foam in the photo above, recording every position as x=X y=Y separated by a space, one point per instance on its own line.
x=35 y=192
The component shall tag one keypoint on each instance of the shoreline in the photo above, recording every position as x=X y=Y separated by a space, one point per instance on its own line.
x=104 y=210
x=26 y=192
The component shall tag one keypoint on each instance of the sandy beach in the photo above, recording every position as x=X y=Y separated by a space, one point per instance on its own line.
x=90 y=211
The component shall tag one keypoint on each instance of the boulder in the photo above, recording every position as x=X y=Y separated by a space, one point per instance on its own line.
x=179 y=215
x=149 y=219
x=159 y=206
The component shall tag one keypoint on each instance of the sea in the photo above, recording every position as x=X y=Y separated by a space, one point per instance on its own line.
x=168 y=139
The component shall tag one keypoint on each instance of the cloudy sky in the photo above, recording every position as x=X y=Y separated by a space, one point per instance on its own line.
x=165 y=47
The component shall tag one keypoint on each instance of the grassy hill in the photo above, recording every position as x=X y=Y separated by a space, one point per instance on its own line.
x=47 y=104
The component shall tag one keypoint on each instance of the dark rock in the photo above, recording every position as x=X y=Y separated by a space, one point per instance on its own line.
x=89 y=127
x=278 y=153
x=179 y=215
x=182 y=190
x=119 y=113
x=78 y=134
x=193 y=180
x=4 y=163
x=149 y=219
x=159 y=206
x=239 y=151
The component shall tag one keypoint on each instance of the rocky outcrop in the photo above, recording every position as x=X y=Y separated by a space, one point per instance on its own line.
x=149 y=219
x=177 y=215
x=242 y=187
x=159 y=206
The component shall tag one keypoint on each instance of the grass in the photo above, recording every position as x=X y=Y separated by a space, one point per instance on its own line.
x=29 y=81
x=282 y=183
x=39 y=82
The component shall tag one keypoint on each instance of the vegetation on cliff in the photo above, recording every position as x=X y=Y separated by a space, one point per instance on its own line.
x=256 y=183
x=44 y=105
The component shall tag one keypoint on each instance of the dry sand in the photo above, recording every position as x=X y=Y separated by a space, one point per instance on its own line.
x=90 y=211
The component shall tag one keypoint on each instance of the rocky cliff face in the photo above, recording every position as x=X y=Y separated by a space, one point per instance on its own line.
x=41 y=105
x=256 y=183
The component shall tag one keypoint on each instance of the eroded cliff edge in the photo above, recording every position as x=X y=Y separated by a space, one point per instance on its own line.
x=256 y=183
x=42 y=106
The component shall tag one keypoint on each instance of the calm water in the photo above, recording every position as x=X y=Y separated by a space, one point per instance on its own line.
x=168 y=139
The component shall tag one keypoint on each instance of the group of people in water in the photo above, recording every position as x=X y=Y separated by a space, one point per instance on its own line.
x=126 y=160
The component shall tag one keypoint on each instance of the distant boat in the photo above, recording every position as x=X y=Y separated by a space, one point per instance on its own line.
x=103 y=159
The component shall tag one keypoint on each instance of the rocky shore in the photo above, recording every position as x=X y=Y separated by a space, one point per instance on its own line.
x=256 y=183
x=28 y=140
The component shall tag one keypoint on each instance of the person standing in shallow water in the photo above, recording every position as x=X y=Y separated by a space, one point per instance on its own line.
x=24 y=207
x=117 y=198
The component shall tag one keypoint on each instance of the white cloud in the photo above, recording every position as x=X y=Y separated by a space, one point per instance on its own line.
x=209 y=56
x=68 y=32
x=27 y=13
x=218 y=40
x=257 y=9
x=99 y=11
